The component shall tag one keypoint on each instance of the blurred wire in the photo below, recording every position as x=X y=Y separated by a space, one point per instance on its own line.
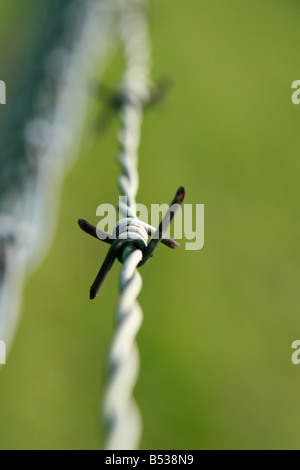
x=38 y=146
x=120 y=411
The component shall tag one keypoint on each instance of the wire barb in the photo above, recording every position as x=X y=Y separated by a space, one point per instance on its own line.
x=129 y=240
x=130 y=234
x=114 y=100
x=120 y=412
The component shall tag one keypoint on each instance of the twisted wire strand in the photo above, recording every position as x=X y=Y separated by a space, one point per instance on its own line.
x=50 y=139
x=136 y=91
x=121 y=414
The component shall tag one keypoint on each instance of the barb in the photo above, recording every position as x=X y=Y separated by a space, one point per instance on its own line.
x=129 y=240
x=131 y=234
x=120 y=411
x=113 y=101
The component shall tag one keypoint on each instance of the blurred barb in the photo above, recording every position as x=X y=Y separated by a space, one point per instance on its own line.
x=40 y=138
x=114 y=100
x=120 y=411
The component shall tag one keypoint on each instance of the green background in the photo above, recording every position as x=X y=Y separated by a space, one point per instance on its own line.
x=215 y=345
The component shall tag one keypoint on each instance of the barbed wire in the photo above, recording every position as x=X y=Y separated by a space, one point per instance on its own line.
x=51 y=139
x=36 y=155
x=121 y=414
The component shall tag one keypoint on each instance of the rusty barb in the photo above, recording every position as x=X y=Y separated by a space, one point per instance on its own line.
x=131 y=234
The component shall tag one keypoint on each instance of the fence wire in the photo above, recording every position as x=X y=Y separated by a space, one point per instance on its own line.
x=37 y=150
x=48 y=142
x=121 y=413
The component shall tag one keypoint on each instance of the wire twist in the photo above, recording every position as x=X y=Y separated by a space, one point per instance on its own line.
x=120 y=410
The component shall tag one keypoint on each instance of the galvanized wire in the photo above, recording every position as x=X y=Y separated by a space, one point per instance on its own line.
x=120 y=410
x=47 y=142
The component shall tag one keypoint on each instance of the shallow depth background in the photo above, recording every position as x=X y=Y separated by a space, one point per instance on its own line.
x=219 y=323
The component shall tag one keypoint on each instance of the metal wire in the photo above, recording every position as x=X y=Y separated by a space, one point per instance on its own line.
x=120 y=410
x=48 y=142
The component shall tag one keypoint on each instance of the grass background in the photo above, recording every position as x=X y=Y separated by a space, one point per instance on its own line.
x=219 y=323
